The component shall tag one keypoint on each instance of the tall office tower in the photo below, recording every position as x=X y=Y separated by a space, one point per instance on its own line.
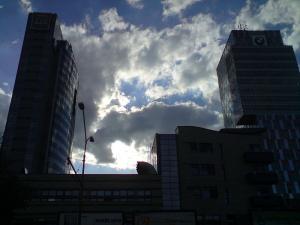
x=40 y=124
x=259 y=85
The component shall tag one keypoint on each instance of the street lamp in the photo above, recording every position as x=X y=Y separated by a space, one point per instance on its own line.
x=86 y=140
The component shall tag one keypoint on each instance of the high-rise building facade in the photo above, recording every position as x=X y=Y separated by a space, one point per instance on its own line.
x=40 y=124
x=259 y=85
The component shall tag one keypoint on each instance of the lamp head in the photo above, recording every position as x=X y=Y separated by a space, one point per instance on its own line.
x=81 y=105
x=91 y=139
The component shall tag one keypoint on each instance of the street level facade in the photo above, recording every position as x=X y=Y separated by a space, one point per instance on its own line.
x=50 y=198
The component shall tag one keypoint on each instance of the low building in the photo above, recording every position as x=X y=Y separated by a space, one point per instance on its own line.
x=52 y=196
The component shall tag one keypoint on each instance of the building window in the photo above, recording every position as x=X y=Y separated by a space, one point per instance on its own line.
x=202 y=169
x=201 y=147
x=207 y=192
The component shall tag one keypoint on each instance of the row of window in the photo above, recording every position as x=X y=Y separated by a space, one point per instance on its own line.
x=267 y=80
x=265 y=57
x=202 y=169
x=208 y=147
x=58 y=154
x=265 y=65
x=94 y=195
x=65 y=98
x=62 y=128
x=87 y=193
x=60 y=140
x=274 y=50
x=201 y=147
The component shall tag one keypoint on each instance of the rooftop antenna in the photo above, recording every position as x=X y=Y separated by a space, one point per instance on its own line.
x=242 y=26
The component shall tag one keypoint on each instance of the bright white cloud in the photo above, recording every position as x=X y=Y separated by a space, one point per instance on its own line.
x=111 y=21
x=126 y=156
x=136 y=3
x=174 y=7
x=273 y=12
x=26 y=5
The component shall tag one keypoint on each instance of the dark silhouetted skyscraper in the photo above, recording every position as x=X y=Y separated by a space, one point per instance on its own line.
x=40 y=124
x=259 y=85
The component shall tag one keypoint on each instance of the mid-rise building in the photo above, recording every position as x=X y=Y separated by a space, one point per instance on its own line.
x=40 y=124
x=219 y=174
x=259 y=85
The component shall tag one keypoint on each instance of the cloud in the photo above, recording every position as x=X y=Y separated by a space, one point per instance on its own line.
x=4 y=106
x=1 y=6
x=14 y=42
x=135 y=3
x=139 y=127
x=273 y=12
x=160 y=68
x=111 y=21
x=162 y=64
x=175 y=7
x=26 y=5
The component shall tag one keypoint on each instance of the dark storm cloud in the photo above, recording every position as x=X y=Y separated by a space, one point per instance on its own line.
x=140 y=126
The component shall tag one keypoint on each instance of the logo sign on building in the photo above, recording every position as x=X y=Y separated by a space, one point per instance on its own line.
x=92 y=219
x=165 y=218
x=259 y=40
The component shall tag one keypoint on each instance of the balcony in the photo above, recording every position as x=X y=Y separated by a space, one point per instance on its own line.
x=262 y=178
x=259 y=157
x=269 y=201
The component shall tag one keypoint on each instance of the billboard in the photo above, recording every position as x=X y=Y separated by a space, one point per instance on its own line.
x=165 y=218
x=91 y=219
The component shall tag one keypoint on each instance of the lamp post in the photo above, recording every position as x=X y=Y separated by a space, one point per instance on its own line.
x=86 y=140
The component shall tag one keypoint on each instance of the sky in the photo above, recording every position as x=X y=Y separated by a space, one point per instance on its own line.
x=145 y=66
